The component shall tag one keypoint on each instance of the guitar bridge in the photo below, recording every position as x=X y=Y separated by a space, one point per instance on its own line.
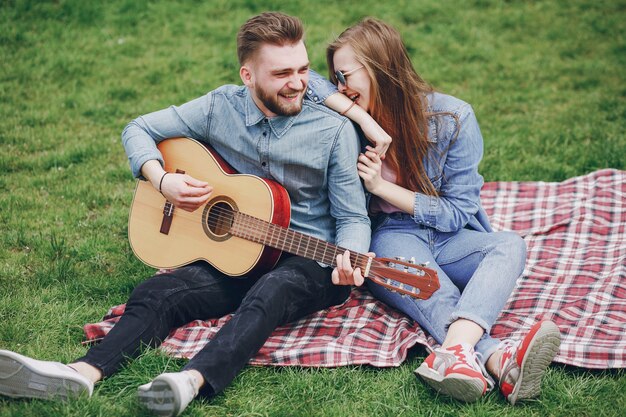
x=168 y=213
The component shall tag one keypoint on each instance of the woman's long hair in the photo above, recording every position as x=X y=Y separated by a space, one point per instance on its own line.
x=397 y=97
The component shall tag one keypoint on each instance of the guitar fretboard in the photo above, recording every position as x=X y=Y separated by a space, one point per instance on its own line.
x=287 y=240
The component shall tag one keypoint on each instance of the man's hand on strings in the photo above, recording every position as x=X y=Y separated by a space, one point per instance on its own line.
x=344 y=274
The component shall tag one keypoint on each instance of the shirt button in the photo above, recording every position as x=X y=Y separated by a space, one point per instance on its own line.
x=314 y=98
x=263 y=163
x=310 y=91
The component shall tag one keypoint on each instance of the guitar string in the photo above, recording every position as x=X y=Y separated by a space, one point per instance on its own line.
x=295 y=242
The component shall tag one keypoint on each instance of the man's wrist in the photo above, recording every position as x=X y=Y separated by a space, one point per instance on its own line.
x=153 y=171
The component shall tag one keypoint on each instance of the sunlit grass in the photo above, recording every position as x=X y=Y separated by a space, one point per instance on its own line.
x=546 y=79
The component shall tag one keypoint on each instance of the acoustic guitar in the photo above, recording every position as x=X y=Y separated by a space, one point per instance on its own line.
x=243 y=228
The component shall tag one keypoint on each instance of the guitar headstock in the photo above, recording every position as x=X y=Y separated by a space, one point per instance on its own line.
x=407 y=278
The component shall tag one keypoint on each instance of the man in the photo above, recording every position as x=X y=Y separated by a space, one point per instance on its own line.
x=265 y=128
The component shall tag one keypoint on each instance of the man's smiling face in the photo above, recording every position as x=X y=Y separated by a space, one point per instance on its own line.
x=277 y=77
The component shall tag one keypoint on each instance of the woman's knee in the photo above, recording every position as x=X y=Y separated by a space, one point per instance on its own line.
x=514 y=247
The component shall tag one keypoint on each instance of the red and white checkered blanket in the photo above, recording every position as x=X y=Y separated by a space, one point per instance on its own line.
x=575 y=275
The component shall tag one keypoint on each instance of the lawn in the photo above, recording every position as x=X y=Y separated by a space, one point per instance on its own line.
x=546 y=80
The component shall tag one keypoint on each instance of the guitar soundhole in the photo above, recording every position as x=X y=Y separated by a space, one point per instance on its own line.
x=218 y=218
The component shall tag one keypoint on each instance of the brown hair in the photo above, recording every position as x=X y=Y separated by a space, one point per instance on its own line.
x=397 y=100
x=267 y=28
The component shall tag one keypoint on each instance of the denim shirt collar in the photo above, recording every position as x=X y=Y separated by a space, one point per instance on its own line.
x=279 y=124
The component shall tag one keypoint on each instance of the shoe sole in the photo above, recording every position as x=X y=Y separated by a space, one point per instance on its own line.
x=19 y=379
x=541 y=351
x=463 y=389
x=160 y=398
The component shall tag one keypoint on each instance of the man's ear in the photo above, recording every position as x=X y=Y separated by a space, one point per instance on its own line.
x=246 y=76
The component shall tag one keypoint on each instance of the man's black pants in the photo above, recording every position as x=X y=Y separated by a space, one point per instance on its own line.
x=294 y=288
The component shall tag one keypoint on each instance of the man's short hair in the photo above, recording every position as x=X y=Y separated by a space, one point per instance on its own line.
x=267 y=28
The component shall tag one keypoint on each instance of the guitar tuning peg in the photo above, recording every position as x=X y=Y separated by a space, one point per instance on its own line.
x=399 y=258
x=412 y=260
x=425 y=264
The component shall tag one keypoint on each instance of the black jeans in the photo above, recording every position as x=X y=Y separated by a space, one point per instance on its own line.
x=295 y=288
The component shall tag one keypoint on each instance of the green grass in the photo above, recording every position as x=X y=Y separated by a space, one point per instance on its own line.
x=546 y=79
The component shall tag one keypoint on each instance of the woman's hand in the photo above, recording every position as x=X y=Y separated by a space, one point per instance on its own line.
x=369 y=165
x=376 y=135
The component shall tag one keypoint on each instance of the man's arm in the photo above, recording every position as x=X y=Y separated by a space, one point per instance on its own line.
x=141 y=136
x=347 y=204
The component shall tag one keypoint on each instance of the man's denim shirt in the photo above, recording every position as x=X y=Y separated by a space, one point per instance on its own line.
x=453 y=169
x=313 y=155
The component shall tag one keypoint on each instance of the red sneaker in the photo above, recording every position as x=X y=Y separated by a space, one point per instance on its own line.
x=524 y=362
x=456 y=371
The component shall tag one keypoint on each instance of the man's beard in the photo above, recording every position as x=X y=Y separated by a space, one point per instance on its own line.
x=273 y=104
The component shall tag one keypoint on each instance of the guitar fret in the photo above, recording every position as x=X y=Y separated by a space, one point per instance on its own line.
x=306 y=248
x=317 y=242
x=291 y=242
x=298 y=239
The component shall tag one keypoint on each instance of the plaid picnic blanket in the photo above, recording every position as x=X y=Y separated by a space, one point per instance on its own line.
x=575 y=275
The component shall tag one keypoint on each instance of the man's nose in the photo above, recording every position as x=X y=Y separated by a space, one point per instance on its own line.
x=296 y=82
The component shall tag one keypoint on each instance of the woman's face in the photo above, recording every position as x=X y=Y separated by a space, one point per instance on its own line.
x=357 y=79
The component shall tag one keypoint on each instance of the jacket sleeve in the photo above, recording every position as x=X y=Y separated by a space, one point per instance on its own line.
x=345 y=191
x=319 y=88
x=461 y=183
x=141 y=136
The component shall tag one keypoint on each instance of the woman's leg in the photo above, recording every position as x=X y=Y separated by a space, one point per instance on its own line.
x=486 y=267
x=406 y=239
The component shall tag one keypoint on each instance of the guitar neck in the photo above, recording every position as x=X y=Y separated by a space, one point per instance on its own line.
x=259 y=231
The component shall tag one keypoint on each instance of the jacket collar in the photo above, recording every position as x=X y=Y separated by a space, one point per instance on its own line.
x=279 y=124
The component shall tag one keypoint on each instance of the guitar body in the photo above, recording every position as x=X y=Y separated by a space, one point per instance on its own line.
x=166 y=237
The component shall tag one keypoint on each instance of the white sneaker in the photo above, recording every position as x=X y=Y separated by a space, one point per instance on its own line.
x=168 y=394
x=21 y=376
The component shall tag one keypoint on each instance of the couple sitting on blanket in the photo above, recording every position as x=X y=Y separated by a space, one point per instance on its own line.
x=424 y=204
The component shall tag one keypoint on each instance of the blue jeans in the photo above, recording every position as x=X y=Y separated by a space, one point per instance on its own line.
x=295 y=288
x=477 y=273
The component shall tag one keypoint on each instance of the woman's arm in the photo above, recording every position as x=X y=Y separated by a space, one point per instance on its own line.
x=323 y=91
x=374 y=133
x=461 y=183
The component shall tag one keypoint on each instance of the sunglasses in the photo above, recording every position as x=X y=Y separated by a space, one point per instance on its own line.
x=341 y=76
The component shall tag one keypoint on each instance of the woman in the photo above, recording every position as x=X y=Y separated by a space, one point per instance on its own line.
x=425 y=205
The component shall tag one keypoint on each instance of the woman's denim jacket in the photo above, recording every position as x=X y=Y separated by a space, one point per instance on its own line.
x=452 y=168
